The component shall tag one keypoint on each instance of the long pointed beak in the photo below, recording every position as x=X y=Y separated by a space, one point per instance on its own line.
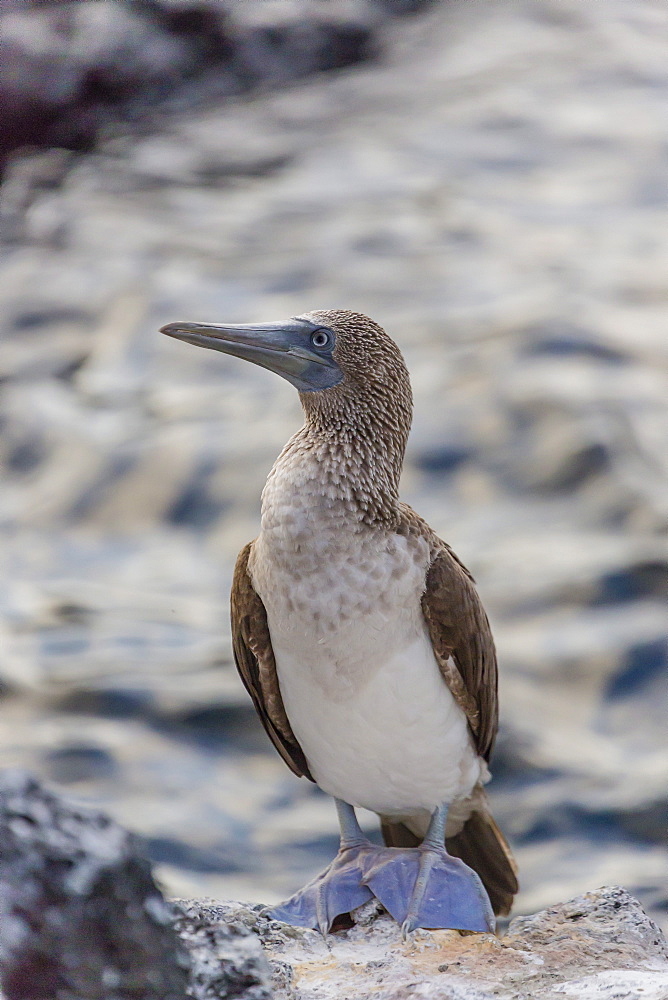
x=282 y=347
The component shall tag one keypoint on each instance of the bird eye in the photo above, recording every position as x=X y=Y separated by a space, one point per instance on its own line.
x=321 y=338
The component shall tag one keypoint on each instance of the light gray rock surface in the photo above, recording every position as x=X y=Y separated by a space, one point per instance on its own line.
x=226 y=954
x=598 y=946
x=493 y=192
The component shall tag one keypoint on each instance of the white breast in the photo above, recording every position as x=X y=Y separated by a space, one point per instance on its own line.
x=358 y=677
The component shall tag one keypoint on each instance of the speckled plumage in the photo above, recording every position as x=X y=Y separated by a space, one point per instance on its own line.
x=358 y=677
x=357 y=631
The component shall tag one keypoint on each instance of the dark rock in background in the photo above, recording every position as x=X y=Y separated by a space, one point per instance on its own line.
x=80 y=914
x=71 y=69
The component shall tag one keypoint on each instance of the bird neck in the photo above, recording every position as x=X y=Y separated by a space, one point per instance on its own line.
x=347 y=458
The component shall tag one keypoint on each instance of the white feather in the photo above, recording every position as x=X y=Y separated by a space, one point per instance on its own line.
x=361 y=687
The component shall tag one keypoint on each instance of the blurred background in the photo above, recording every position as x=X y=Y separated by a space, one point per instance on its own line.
x=485 y=178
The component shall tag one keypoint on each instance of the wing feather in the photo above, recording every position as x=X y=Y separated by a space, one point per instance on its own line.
x=460 y=635
x=254 y=658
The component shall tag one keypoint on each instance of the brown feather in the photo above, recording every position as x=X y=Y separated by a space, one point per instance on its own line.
x=396 y=834
x=460 y=633
x=255 y=662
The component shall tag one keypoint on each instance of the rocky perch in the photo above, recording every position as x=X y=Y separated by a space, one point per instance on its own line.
x=599 y=945
x=81 y=917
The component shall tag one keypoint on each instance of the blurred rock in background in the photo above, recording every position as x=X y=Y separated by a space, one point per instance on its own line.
x=80 y=914
x=491 y=188
x=72 y=69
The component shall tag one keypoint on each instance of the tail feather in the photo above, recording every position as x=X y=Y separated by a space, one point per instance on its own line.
x=481 y=845
x=397 y=834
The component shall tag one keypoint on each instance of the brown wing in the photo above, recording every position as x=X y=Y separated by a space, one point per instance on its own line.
x=460 y=634
x=255 y=662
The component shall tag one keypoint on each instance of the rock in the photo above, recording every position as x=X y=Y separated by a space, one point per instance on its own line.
x=605 y=929
x=68 y=69
x=80 y=914
x=596 y=945
x=227 y=958
x=65 y=67
x=81 y=917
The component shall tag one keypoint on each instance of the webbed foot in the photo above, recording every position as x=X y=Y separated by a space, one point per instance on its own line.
x=339 y=889
x=427 y=887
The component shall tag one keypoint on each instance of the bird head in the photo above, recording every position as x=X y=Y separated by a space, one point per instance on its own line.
x=353 y=385
x=334 y=354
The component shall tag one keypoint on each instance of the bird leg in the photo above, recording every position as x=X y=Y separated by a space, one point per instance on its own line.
x=340 y=887
x=426 y=887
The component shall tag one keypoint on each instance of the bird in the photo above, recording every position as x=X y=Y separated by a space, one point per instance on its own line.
x=362 y=640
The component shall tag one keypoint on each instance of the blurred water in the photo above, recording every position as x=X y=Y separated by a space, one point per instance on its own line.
x=493 y=192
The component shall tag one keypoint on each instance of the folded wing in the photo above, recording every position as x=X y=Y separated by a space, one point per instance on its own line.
x=255 y=662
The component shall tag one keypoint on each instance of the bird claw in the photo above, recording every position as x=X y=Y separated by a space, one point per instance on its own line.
x=407 y=928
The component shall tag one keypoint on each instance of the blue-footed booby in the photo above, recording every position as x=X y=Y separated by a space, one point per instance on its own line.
x=361 y=638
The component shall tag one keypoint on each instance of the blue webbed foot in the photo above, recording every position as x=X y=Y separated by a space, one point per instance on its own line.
x=339 y=889
x=426 y=887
